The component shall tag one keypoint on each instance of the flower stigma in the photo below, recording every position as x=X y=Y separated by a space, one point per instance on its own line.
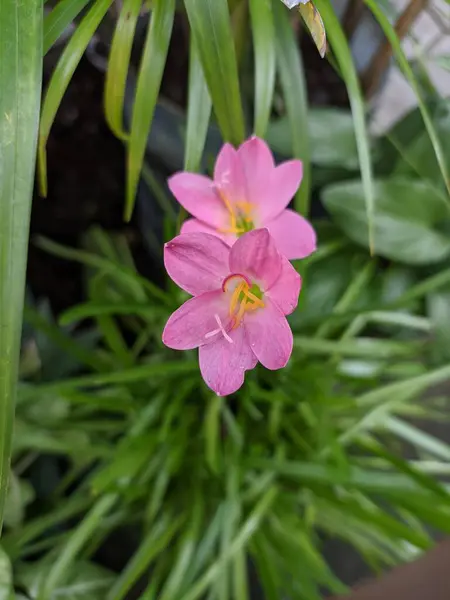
x=246 y=296
x=220 y=329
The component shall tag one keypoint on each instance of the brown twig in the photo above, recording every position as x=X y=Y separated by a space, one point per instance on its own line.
x=352 y=16
x=372 y=76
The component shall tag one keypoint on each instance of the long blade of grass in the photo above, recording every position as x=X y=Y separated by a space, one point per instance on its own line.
x=134 y=283
x=212 y=33
x=147 y=89
x=140 y=373
x=199 y=113
x=76 y=541
x=344 y=58
x=290 y=67
x=245 y=534
x=389 y=31
x=57 y=21
x=154 y=543
x=118 y=64
x=20 y=84
x=265 y=62
x=61 y=77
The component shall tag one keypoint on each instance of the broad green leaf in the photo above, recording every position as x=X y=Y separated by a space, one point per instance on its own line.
x=409 y=74
x=444 y=62
x=20 y=84
x=147 y=89
x=198 y=113
x=20 y=494
x=406 y=221
x=265 y=62
x=418 y=156
x=294 y=87
x=344 y=59
x=61 y=77
x=6 y=579
x=118 y=65
x=331 y=134
x=212 y=33
x=57 y=21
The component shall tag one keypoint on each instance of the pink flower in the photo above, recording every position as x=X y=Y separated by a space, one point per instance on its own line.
x=248 y=192
x=237 y=315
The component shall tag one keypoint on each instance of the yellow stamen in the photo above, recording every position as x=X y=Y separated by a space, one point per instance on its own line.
x=257 y=301
x=240 y=313
x=243 y=300
x=235 y=297
x=241 y=211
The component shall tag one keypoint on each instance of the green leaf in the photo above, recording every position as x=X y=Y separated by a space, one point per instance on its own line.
x=96 y=309
x=63 y=341
x=409 y=74
x=198 y=113
x=147 y=89
x=331 y=134
x=443 y=62
x=20 y=84
x=364 y=347
x=135 y=284
x=61 y=77
x=294 y=87
x=6 y=580
x=139 y=373
x=438 y=305
x=265 y=62
x=61 y=567
x=338 y=41
x=212 y=33
x=417 y=156
x=212 y=433
x=405 y=224
x=153 y=544
x=83 y=581
x=20 y=494
x=243 y=537
x=118 y=65
x=57 y=21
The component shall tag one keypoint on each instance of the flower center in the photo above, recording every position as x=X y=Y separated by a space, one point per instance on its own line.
x=241 y=216
x=246 y=296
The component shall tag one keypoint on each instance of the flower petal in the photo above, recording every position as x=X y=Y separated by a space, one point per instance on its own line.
x=194 y=225
x=285 y=180
x=286 y=289
x=255 y=255
x=269 y=335
x=223 y=364
x=197 y=262
x=229 y=176
x=258 y=165
x=293 y=234
x=197 y=194
x=188 y=326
